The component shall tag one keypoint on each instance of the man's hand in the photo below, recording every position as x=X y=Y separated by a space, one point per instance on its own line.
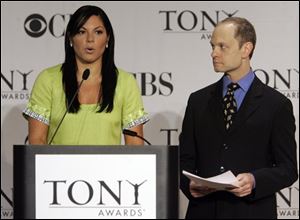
x=199 y=191
x=246 y=183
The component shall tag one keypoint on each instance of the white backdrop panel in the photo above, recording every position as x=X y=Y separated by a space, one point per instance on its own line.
x=165 y=43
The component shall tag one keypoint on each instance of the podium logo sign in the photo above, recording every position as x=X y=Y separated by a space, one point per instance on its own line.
x=96 y=186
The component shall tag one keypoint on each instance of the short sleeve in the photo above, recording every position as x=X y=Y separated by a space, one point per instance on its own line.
x=133 y=112
x=39 y=104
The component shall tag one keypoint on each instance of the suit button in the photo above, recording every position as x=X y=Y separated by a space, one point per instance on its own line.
x=222 y=169
x=225 y=146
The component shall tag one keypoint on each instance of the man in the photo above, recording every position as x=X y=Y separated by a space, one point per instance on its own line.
x=248 y=129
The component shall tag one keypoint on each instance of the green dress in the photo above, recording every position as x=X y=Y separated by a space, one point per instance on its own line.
x=86 y=127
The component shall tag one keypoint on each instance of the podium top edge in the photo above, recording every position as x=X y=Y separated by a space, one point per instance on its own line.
x=93 y=149
x=102 y=146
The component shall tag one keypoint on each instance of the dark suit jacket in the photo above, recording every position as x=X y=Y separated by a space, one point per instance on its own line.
x=261 y=141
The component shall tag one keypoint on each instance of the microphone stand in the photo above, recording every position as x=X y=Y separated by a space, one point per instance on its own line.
x=85 y=75
x=134 y=134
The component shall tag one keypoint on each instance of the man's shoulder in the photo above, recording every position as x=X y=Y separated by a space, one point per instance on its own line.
x=206 y=91
x=272 y=94
x=203 y=95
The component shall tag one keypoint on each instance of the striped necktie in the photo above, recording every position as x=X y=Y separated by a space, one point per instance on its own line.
x=230 y=106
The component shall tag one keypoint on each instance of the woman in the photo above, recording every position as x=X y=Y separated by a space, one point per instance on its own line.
x=108 y=100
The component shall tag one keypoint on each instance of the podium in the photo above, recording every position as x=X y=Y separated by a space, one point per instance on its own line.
x=132 y=182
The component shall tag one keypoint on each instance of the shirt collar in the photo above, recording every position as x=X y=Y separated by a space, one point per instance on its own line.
x=244 y=82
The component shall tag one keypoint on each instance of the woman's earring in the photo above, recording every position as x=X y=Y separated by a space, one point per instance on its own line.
x=106 y=46
x=71 y=45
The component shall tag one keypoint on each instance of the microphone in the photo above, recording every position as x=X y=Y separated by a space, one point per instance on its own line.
x=134 y=134
x=85 y=75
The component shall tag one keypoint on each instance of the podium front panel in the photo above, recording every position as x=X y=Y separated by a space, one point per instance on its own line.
x=95 y=182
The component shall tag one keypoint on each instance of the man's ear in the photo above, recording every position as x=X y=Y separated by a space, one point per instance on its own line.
x=247 y=48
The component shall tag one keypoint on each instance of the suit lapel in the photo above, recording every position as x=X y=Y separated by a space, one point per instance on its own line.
x=250 y=104
x=216 y=107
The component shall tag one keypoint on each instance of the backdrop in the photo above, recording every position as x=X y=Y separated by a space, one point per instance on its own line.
x=166 y=44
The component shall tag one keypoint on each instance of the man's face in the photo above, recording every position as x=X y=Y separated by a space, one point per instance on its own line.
x=226 y=53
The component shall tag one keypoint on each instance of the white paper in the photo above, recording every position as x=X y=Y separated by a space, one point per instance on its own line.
x=220 y=182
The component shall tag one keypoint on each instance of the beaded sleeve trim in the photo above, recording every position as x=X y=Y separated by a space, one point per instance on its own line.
x=136 y=122
x=39 y=117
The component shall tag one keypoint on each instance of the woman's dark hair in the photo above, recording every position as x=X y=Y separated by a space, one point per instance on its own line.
x=69 y=67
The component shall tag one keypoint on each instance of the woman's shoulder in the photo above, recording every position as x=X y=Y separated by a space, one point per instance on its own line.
x=126 y=82
x=50 y=74
x=51 y=71
x=125 y=75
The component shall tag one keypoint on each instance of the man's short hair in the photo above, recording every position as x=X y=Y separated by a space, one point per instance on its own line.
x=244 y=31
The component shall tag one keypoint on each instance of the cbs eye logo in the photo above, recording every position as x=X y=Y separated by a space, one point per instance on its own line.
x=35 y=25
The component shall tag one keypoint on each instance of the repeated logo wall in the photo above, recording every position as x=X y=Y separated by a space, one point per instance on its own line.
x=164 y=44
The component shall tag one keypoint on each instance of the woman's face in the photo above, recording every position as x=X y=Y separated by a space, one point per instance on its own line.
x=90 y=41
